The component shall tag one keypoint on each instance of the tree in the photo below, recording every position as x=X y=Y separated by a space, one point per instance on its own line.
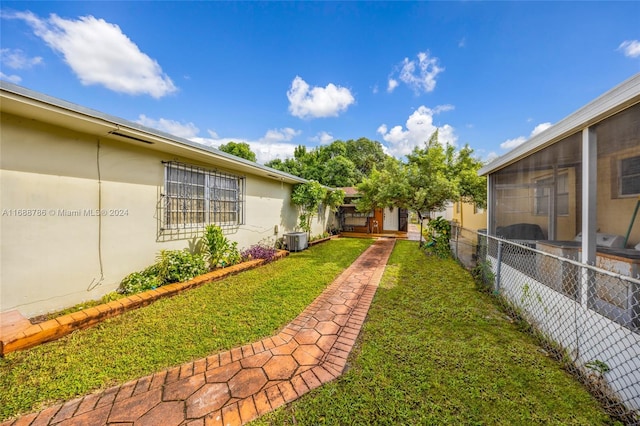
x=239 y=149
x=337 y=164
x=388 y=187
x=463 y=167
x=433 y=175
x=339 y=172
x=365 y=154
x=334 y=199
x=307 y=196
x=428 y=175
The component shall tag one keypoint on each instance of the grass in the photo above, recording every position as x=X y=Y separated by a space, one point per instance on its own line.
x=241 y=309
x=434 y=350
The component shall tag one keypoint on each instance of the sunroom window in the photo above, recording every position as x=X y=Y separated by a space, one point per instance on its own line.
x=629 y=179
x=543 y=191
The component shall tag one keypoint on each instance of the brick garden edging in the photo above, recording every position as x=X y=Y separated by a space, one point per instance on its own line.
x=56 y=328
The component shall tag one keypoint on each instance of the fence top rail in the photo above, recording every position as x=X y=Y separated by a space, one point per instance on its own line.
x=564 y=259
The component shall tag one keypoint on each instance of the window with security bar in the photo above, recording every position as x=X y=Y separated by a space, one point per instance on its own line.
x=195 y=197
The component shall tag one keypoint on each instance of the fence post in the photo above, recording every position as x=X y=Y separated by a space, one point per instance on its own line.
x=499 y=269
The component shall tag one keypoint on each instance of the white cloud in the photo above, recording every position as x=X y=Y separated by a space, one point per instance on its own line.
x=18 y=60
x=491 y=156
x=393 y=83
x=419 y=75
x=280 y=135
x=276 y=143
x=265 y=148
x=99 y=53
x=323 y=138
x=183 y=130
x=12 y=78
x=512 y=143
x=462 y=42
x=419 y=127
x=630 y=48
x=313 y=102
x=540 y=128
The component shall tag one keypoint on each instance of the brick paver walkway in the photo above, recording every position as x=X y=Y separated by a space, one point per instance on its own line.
x=235 y=387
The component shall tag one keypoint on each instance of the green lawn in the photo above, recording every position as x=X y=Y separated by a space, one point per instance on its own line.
x=436 y=351
x=218 y=316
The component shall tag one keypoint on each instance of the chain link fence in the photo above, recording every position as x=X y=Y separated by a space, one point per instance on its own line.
x=587 y=317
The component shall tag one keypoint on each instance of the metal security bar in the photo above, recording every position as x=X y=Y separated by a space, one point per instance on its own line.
x=194 y=197
x=587 y=316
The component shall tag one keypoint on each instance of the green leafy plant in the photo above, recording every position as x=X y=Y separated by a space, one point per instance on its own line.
x=179 y=265
x=137 y=282
x=218 y=250
x=483 y=275
x=307 y=196
x=598 y=366
x=437 y=234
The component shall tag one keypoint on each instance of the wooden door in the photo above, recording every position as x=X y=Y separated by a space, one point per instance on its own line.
x=379 y=216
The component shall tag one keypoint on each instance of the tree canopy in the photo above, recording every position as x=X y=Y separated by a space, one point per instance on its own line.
x=338 y=164
x=239 y=149
x=432 y=176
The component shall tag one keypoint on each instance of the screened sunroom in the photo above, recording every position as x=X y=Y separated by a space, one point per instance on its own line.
x=577 y=184
x=562 y=243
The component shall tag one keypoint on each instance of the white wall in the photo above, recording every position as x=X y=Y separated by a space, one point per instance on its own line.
x=54 y=254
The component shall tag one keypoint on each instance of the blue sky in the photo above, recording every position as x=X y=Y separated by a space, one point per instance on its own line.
x=279 y=74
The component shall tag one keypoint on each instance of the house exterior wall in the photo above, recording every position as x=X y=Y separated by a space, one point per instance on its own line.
x=56 y=251
x=467 y=216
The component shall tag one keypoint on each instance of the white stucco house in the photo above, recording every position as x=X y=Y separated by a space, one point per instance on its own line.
x=87 y=198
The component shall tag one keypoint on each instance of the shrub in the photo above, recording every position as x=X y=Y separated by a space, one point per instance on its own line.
x=179 y=265
x=259 y=251
x=219 y=251
x=137 y=282
x=438 y=233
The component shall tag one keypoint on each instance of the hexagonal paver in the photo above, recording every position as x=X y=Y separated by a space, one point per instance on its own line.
x=166 y=413
x=223 y=373
x=323 y=315
x=336 y=300
x=209 y=398
x=280 y=367
x=340 y=309
x=311 y=323
x=182 y=388
x=326 y=342
x=247 y=382
x=327 y=327
x=257 y=360
x=285 y=349
x=308 y=354
x=307 y=337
